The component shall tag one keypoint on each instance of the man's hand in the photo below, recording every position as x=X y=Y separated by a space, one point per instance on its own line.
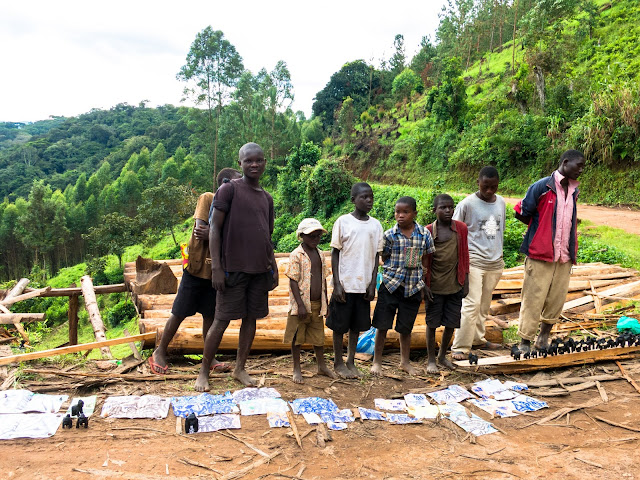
x=276 y=279
x=426 y=294
x=201 y=232
x=217 y=279
x=371 y=292
x=338 y=293
x=302 y=311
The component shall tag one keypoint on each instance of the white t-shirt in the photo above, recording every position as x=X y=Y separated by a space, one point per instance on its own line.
x=358 y=242
x=485 y=222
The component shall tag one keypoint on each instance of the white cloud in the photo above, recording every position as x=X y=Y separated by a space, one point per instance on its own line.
x=66 y=57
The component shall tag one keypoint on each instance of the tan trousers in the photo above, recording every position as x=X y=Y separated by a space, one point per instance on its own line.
x=475 y=307
x=544 y=292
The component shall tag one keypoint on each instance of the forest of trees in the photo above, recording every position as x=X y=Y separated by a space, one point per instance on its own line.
x=505 y=82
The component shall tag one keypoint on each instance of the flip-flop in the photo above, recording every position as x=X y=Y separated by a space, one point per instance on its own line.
x=455 y=355
x=157 y=369
x=221 y=367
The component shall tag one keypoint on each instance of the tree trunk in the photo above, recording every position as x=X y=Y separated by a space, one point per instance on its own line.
x=94 y=313
x=538 y=76
x=14 y=292
x=513 y=50
x=73 y=318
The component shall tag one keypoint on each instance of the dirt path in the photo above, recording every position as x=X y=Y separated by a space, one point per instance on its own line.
x=575 y=447
x=623 y=218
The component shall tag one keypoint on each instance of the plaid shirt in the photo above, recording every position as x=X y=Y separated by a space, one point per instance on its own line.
x=394 y=271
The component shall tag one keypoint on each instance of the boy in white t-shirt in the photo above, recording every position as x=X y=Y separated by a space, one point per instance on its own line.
x=357 y=241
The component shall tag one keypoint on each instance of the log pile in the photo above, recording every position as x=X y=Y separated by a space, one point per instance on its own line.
x=604 y=283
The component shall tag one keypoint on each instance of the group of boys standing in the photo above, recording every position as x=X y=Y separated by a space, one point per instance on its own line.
x=453 y=265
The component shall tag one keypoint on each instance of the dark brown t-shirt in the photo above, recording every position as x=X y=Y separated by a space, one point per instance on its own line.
x=247 y=228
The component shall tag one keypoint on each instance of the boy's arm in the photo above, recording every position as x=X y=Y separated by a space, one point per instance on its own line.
x=525 y=209
x=215 y=249
x=274 y=270
x=338 y=289
x=295 y=290
x=201 y=230
x=371 y=289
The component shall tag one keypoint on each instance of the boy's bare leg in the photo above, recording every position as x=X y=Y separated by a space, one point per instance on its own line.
x=322 y=366
x=159 y=355
x=338 y=364
x=381 y=336
x=442 y=355
x=543 y=336
x=405 y=349
x=245 y=340
x=431 y=351
x=351 y=353
x=295 y=354
x=211 y=344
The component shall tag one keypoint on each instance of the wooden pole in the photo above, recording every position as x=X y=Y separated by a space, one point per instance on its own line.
x=14 y=292
x=94 y=314
x=16 y=318
x=73 y=319
x=25 y=296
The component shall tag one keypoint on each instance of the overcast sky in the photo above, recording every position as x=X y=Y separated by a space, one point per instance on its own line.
x=66 y=57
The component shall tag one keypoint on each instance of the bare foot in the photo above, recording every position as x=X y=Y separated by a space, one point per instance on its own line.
x=376 y=369
x=407 y=367
x=432 y=368
x=354 y=369
x=160 y=359
x=446 y=363
x=202 y=383
x=543 y=336
x=243 y=377
x=343 y=371
x=326 y=372
x=526 y=347
x=297 y=377
x=459 y=356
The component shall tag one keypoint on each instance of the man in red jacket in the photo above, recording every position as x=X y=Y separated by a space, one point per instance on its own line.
x=551 y=246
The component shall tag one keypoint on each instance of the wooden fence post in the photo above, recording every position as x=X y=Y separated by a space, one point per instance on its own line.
x=15 y=291
x=73 y=319
x=94 y=313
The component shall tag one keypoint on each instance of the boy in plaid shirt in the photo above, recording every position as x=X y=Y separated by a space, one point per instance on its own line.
x=402 y=289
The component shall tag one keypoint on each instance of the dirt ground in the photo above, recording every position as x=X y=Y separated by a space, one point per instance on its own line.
x=575 y=446
x=616 y=217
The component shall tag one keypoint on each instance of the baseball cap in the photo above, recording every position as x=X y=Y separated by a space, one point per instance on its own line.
x=309 y=225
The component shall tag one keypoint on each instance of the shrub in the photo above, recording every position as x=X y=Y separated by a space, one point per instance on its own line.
x=329 y=185
x=120 y=312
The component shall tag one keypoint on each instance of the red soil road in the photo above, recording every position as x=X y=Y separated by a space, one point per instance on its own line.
x=615 y=217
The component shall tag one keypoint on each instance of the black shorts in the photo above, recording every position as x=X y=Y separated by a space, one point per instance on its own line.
x=245 y=295
x=354 y=314
x=444 y=311
x=387 y=305
x=195 y=294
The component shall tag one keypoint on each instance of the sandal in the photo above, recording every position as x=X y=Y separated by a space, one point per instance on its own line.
x=157 y=369
x=221 y=367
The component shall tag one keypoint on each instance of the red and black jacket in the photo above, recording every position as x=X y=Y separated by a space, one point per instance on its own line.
x=540 y=205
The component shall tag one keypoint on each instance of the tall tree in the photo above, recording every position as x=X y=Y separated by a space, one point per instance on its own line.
x=279 y=95
x=398 y=59
x=213 y=65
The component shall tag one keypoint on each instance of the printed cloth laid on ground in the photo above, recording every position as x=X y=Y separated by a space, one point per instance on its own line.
x=262 y=406
x=451 y=394
x=146 y=406
x=316 y=405
x=416 y=400
x=214 y=423
x=278 y=419
x=509 y=408
x=369 y=414
x=495 y=389
x=24 y=401
x=397 y=405
x=89 y=405
x=473 y=424
x=204 y=404
x=29 y=425
x=252 y=393
x=425 y=411
x=341 y=416
x=401 y=419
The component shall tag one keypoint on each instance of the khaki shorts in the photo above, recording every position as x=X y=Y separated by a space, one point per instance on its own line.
x=308 y=331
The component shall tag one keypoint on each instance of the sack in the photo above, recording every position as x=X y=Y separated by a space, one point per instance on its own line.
x=367 y=341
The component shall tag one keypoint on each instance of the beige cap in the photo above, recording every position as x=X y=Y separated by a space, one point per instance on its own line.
x=309 y=225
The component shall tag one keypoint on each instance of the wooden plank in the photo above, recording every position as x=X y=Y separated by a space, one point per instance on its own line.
x=14 y=292
x=132 y=346
x=626 y=288
x=14 y=318
x=25 y=296
x=75 y=348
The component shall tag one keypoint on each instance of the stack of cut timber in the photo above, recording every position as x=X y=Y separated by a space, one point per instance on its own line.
x=155 y=310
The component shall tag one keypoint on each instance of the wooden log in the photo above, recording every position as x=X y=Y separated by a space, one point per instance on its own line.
x=72 y=315
x=74 y=348
x=94 y=314
x=14 y=292
x=25 y=296
x=16 y=318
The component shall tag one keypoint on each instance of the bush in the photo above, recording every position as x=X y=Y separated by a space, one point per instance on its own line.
x=328 y=187
x=120 y=313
